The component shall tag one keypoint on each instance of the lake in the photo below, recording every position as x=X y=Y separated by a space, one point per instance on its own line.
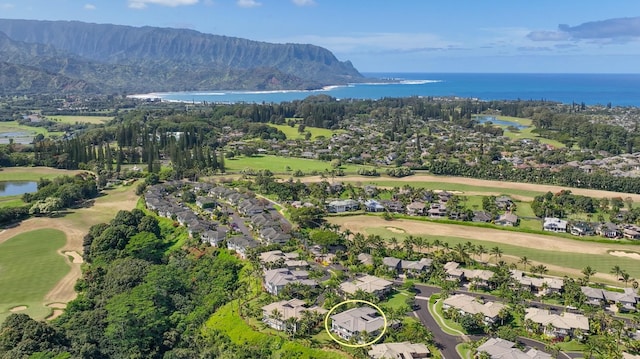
x=14 y=188
x=495 y=121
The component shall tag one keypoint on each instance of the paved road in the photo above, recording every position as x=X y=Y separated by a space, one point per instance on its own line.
x=445 y=342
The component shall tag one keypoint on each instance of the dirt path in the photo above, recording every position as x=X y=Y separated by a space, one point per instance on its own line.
x=550 y=243
x=75 y=225
x=480 y=183
x=361 y=223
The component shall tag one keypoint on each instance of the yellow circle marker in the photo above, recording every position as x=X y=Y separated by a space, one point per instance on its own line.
x=326 y=323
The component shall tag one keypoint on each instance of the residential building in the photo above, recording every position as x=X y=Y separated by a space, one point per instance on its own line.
x=276 y=279
x=355 y=321
x=408 y=268
x=581 y=229
x=503 y=349
x=372 y=205
x=626 y=301
x=508 y=220
x=608 y=230
x=541 y=285
x=343 y=206
x=241 y=245
x=404 y=350
x=368 y=284
x=467 y=304
x=552 y=224
x=416 y=208
x=559 y=326
x=276 y=314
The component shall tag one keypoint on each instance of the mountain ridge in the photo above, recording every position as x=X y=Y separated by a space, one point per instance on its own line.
x=167 y=59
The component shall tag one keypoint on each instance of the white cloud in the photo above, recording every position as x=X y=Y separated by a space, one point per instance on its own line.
x=376 y=42
x=304 y=2
x=141 y=4
x=248 y=3
x=6 y=6
x=89 y=7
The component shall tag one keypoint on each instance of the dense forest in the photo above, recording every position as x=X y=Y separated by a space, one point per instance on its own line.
x=138 y=298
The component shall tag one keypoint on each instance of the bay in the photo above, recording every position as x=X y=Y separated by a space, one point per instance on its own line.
x=591 y=89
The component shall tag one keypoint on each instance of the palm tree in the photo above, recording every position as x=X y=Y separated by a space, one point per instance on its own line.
x=617 y=271
x=461 y=252
x=524 y=261
x=626 y=278
x=540 y=269
x=588 y=273
x=481 y=250
x=394 y=243
x=496 y=252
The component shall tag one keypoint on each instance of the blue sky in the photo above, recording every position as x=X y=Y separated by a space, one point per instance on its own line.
x=583 y=36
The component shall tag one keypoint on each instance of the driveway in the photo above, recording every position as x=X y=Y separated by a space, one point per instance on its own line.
x=445 y=342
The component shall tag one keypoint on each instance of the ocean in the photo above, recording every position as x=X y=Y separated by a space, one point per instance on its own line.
x=591 y=89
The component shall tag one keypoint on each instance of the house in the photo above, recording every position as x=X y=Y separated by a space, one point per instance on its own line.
x=543 y=285
x=354 y=321
x=368 y=284
x=276 y=279
x=552 y=224
x=393 y=206
x=467 y=304
x=581 y=229
x=372 y=205
x=498 y=348
x=347 y=205
x=214 y=237
x=478 y=277
x=608 y=230
x=504 y=203
x=409 y=268
x=272 y=235
x=366 y=259
x=631 y=231
x=626 y=300
x=453 y=272
x=508 y=220
x=205 y=202
x=558 y=326
x=404 y=350
x=416 y=208
x=241 y=245
x=594 y=295
x=437 y=210
x=276 y=314
x=277 y=255
x=482 y=216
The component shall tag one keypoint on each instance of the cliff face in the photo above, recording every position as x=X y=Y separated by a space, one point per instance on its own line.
x=127 y=58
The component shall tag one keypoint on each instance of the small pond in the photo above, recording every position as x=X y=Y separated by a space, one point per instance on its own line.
x=495 y=121
x=14 y=188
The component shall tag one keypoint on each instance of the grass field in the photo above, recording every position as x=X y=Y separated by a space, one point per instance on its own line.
x=32 y=173
x=526 y=133
x=14 y=126
x=292 y=132
x=446 y=186
x=11 y=201
x=29 y=268
x=227 y=320
x=80 y=119
x=278 y=165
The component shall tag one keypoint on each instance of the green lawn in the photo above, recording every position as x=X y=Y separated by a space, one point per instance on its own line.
x=32 y=173
x=602 y=263
x=29 y=268
x=11 y=201
x=227 y=320
x=80 y=119
x=448 y=326
x=398 y=299
x=386 y=182
x=14 y=126
x=292 y=132
x=278 y=165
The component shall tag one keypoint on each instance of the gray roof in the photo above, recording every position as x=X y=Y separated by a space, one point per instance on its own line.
x=359 y=320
